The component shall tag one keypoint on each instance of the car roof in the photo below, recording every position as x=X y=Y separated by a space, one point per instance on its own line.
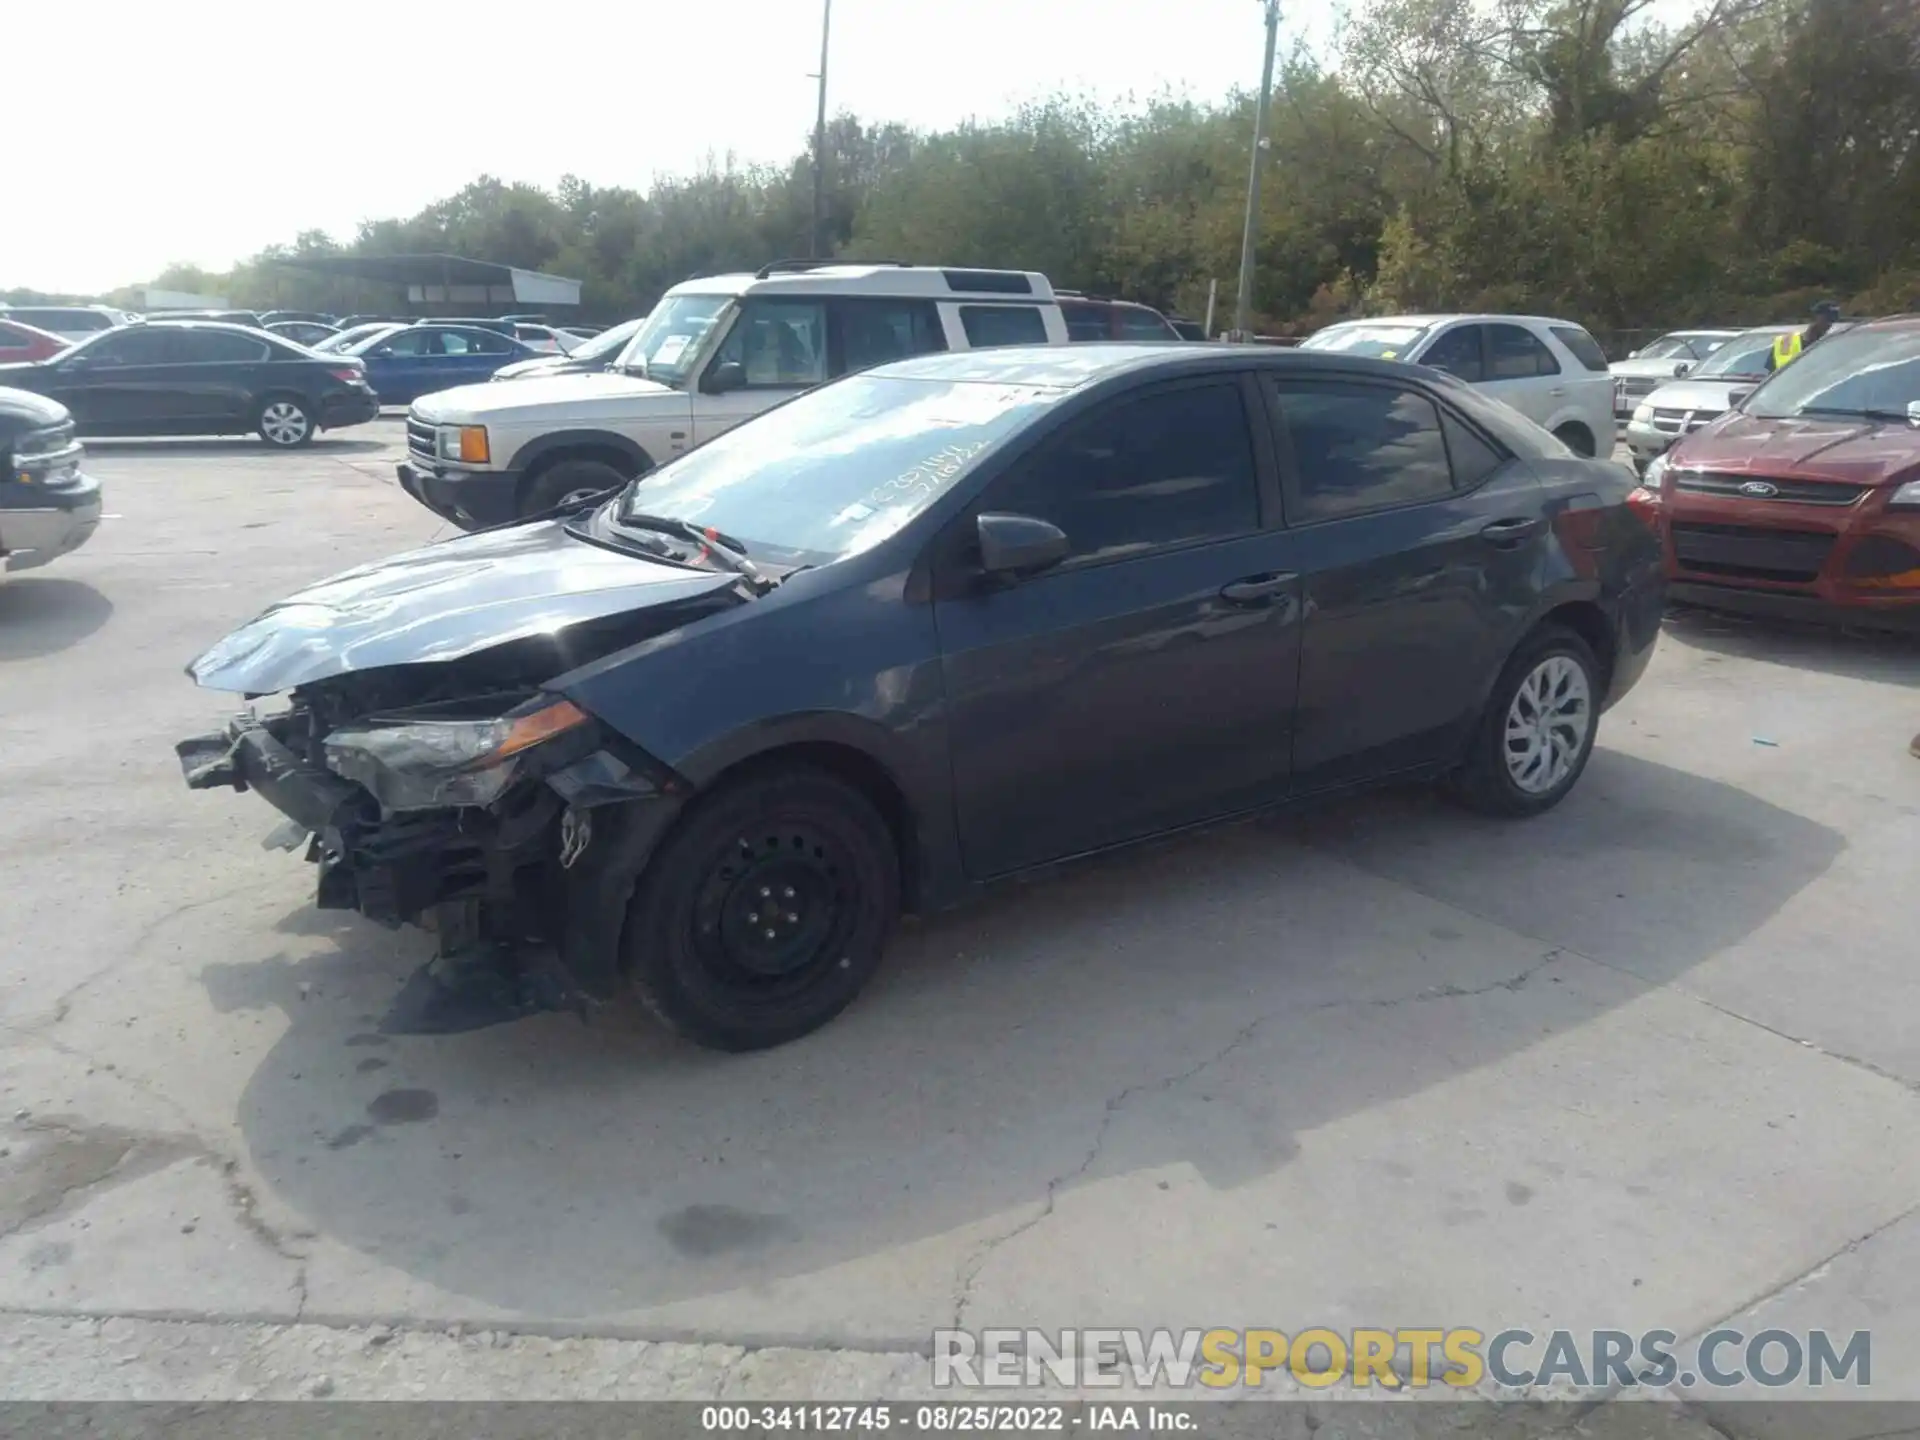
x=1074 y=297
x=225 y=326
x=1885 y=322
x=1447 y=319
x=934 y=282
x=1071 y=367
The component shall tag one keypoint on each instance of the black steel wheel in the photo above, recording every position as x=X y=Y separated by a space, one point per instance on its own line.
x=764 y=911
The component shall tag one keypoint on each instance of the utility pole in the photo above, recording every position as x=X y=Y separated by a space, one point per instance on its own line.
x=1243 y=302
x=820 y=135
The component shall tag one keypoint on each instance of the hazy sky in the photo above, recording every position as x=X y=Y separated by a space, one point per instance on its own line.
x=201 y=130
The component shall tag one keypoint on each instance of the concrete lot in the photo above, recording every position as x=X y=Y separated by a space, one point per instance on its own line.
x=1649 y=1061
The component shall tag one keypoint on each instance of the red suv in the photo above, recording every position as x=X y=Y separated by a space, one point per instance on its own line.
x=1806 y=500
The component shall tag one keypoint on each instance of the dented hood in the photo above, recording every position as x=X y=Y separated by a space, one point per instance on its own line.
x=441 y=603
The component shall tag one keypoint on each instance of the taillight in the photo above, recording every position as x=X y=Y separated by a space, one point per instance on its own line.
x=353 y=375
x=1646 y=505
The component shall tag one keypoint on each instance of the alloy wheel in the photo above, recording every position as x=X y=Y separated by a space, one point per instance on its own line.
x=1547 y=724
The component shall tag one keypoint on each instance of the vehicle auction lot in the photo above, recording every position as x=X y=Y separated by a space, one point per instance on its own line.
x=1649 y=1061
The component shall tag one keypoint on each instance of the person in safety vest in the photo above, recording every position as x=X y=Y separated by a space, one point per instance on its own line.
x=1787 y=347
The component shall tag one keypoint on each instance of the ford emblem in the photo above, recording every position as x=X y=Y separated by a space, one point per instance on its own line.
x=1760 y=489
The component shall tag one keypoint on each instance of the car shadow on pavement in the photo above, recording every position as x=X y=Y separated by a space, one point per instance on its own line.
x=45 y=614
x=1857 y=654
x=1201 y=1002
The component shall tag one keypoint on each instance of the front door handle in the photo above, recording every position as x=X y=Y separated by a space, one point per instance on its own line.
x=1511 y=531
x=1557 y=390
x=1256 y=588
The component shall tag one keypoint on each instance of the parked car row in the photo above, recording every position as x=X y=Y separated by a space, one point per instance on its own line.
x=190 y=377
x=1801 y=495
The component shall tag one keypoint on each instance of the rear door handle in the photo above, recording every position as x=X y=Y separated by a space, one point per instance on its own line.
x=1558 y=390
x=1255 y=588
x=1512 y=531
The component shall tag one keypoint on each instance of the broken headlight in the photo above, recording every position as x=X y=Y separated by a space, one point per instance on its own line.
x=433 y=758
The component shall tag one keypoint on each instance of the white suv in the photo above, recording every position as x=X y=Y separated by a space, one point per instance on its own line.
x=713 y=353
x=1551 y=371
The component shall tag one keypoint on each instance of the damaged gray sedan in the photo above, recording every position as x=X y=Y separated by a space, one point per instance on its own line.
x=937 y=623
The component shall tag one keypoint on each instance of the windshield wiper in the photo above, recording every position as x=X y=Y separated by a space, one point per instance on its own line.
x=1868 y=413
x=731 y=553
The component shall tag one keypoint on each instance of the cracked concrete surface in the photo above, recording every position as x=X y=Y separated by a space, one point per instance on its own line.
x=1646 y=1062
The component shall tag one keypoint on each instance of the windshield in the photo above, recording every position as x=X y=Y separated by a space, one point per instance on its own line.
x=1669 y=348
x=1381 y=342
x=1864 y=372
x=1743 y=355
x=838 y=469
x=670 y=337
x=608 y=343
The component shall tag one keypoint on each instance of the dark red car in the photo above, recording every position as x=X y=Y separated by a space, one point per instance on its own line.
x=19 y=341
x=1806 y=500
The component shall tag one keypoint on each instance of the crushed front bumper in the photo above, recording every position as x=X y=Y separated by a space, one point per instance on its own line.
x=519 y=928
x=246 y=756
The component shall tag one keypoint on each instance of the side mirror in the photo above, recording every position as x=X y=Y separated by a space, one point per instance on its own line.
x=1913 y=412
x=1682 y=368
x=727 y=375
x=1633 y=354
x=379 y=352
x=1014 y=545
x=75 y=362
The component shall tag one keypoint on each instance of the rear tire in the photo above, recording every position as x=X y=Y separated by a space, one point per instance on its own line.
x=1576 y=439
x=765 y=911
x=285 y=422
x=568 y=479
x=1533 y=739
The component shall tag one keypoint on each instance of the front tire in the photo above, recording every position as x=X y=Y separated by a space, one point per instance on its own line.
x=285 y=423
x=569 y=480
x=1533 y=739
x=765 y=911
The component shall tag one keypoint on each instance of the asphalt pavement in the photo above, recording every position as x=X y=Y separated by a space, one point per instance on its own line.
x=1646 y=1062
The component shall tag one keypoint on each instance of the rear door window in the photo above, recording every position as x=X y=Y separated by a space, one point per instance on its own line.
x=1357 y=448
x=1583 y=346
x=990 y=325
x=217 y=346
x=1514 y=353
x=1084 y=322
x=1139 y=323
x=1458 y=353
x=412 y=343
x=872 y=332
